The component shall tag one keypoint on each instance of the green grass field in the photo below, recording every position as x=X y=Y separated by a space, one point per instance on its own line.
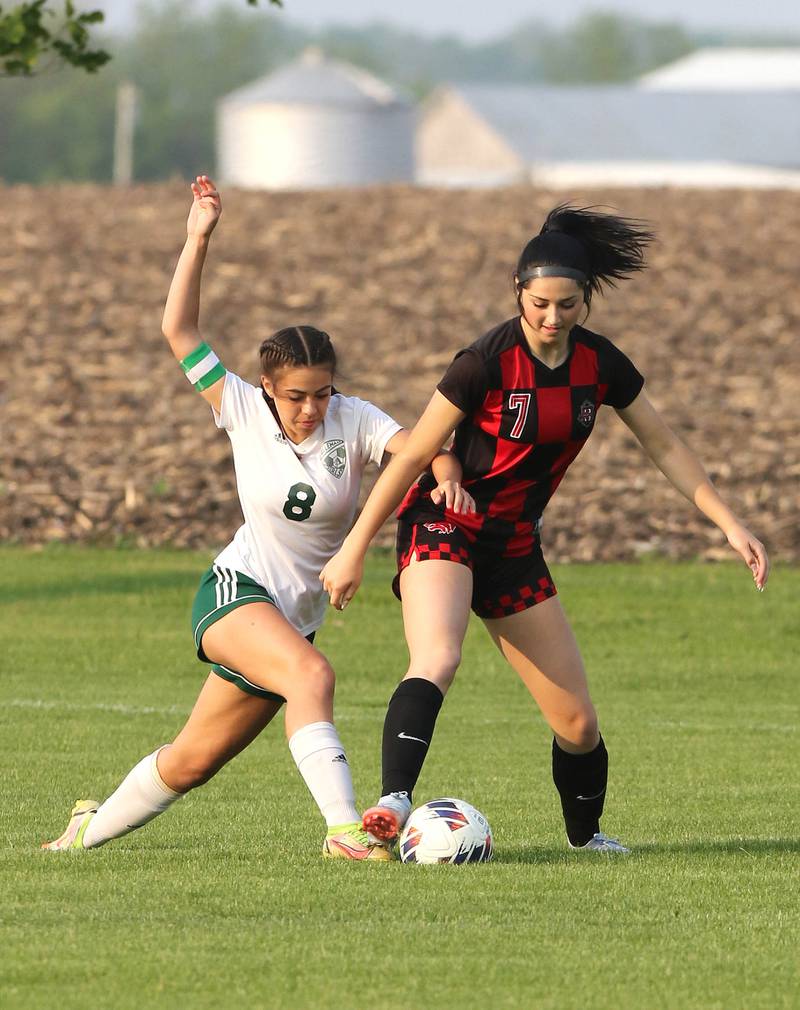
x=225 y=901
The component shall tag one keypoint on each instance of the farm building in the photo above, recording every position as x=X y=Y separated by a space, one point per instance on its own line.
x=485 y=135
x=315 y=123
x=729 y=69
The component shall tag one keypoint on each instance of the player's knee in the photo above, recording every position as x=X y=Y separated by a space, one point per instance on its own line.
x=582 y=729
x=439 y=665
x=317 y=681
x=190 y=768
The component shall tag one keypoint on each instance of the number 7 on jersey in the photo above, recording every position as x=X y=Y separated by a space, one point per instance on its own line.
x=520 y=402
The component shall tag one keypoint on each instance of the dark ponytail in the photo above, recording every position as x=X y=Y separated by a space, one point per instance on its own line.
x=297 y=347
x=596 y=248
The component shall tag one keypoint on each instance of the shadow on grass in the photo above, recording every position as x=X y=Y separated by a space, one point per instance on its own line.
x=725 y=846
x=98 y=584
x=696 y=847
x=533 y=854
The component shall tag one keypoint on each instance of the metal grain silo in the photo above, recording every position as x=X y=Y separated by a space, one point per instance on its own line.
x=315 y=123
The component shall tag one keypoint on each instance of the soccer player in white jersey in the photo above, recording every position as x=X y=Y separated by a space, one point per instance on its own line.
x=299 y=450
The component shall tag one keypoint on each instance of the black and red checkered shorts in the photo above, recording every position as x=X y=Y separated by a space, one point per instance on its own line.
x=500 y=587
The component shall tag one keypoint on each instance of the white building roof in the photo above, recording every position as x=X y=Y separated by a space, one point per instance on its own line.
x=313 y=79
x=490 y=135
x=618 y=123
x=729 y=69
x=690 y=175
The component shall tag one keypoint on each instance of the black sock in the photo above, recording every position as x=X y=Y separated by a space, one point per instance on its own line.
x=581 y=782
x=407 y=733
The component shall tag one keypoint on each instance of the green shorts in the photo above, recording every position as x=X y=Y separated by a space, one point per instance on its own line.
x=220 y=591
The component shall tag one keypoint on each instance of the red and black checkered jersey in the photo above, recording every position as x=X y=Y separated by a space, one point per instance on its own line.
x=525 y=424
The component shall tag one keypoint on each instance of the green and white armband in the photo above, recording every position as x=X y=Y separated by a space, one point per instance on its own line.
x=202 y=367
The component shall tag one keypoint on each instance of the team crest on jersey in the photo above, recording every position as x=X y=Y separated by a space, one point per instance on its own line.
x=280 y=438
x=445 y=528
x=334 y=456
x=586 y=413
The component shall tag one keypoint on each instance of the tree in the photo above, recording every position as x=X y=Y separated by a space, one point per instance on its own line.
x=32 y=31
x=59 y=127
x=602 y=48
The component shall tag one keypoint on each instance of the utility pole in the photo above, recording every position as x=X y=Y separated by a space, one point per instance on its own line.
x=124 y=126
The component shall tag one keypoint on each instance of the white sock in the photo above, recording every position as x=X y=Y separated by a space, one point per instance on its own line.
x=141 y=796
x=320 y=759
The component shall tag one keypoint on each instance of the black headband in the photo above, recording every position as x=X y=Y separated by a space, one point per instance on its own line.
x=570 y=272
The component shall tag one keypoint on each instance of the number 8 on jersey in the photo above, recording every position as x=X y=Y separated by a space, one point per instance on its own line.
x=299 y=502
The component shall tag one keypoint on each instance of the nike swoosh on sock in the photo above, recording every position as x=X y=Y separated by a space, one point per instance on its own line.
x=405 y=736
x=595 y=797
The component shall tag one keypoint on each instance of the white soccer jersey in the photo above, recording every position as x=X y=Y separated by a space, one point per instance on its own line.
x=298 y=501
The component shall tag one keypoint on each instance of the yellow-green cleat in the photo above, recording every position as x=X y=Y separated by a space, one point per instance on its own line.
x=82 y=813
x=350 y=841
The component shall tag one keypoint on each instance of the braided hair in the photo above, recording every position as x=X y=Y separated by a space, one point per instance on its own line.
x=591 y=247
x=296 y=347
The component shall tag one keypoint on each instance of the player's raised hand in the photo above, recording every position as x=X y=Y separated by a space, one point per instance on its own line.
x=454 y=497
x=341 y=578
x=752 y=551
x=206 y=208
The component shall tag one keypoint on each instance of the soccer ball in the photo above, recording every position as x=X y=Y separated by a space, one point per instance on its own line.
x=446 y=831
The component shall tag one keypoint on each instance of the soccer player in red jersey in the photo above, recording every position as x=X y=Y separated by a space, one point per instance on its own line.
x=522 y=401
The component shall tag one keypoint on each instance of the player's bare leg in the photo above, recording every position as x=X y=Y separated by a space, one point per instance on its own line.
x=258 y=642
x=436 y=606
x=540 y=646
x=222 y=723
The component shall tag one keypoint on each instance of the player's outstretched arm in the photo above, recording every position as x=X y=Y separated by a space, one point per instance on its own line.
x=447 y=472
x=342 y=575
x=684 y=471
x=180 y=323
